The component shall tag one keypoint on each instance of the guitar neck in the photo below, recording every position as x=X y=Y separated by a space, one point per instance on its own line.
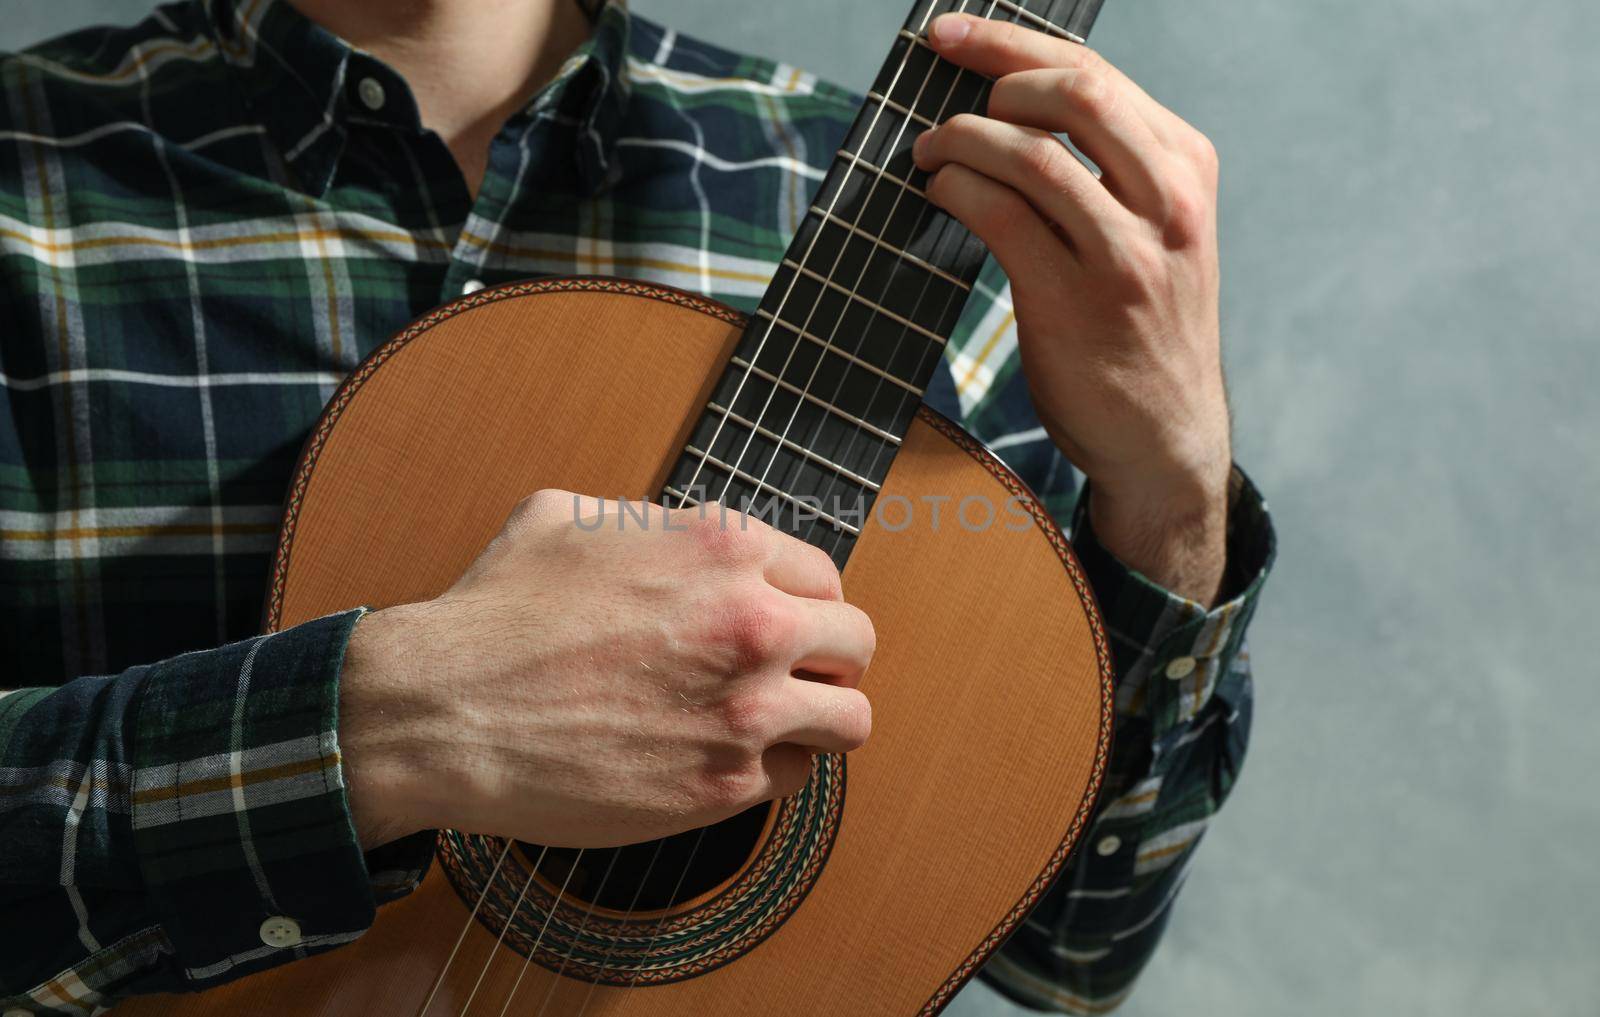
x=808 y=414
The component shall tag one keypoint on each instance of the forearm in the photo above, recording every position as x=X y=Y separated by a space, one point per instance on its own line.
x=1183 y=701
x=165 y=813
x=1177 y=538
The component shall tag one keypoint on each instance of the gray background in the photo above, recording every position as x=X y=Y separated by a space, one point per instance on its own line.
x=1411 y=237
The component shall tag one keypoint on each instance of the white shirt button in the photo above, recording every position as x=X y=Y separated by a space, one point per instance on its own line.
x=371 y=93
x=471 y=286
x=1108 y=845
x=280 y=932
x=17 y=1011
x=1180 y=668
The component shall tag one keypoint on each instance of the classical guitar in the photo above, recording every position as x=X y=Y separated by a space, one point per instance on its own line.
x=884 y=884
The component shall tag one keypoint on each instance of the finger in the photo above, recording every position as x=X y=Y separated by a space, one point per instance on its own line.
x=1037 y=165
x=1107 y=130
x=787 y=769
x=1028 y=249
x=823 y=717
x=832 y=639
x=996 y=48
x=552 y=505
x=803 y=570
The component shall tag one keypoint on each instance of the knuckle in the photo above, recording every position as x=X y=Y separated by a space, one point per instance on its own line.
x=1137 y=267
x=731 y=789
x=959 y=126
x=1043 y=156
x=539 y=509
x=855 y=719
x=1089 y=93
x=747 y=719
x=828 y=577
x=756 y=630
x=721 y=538
x=1203 y=152
x=870 y=632
x=1188 y=215
x=1002 y=34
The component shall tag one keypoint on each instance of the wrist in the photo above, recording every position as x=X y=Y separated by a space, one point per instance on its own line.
x=379 y=704
x=1171 y=528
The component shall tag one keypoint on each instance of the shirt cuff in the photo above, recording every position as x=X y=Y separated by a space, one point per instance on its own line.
x=240 y=820
x=1169 y=650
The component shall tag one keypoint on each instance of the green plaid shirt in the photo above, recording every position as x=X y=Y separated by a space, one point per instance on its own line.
x=206 y=220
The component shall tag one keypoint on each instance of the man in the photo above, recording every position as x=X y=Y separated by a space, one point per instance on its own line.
x=207 y=219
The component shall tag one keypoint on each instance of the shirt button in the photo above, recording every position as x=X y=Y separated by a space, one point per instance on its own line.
x=1182 y=667
x=17 y=1011
x=1108 y=845
x=371 y=93
x=471 y=286
x=280 y=932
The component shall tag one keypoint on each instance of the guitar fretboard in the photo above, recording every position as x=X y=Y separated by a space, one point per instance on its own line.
x=806 y=417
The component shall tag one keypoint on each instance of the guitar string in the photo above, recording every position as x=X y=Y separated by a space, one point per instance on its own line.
x=510 y=921
x=899 y=195
x=838 y=192
x=899 y=396
x=777 y=313
x=612 y=949
x=822 y=290
x=804 y=259
x=672 y=898
x=528 y=957
x=577 y=937
x=465 y=928
x=861 y=341
x=854 y=161
x=838 y=535
x=794 y=278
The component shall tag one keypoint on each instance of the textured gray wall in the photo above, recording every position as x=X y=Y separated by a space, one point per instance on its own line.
x=1412 y=250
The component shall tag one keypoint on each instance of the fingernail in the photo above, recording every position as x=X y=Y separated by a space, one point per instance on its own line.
x=949 y=29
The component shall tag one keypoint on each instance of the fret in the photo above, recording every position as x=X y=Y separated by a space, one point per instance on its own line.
x=918 y=80
x=891 y=315
x=878 y=432
x=814 y=420
x=875 y=343
x=777 y=491
x=882 y=137
x=1034 y=21
x=822 y=370
x=885 y=245
x=828 y=313
x=910 y=114
x=901 y=218
x=780 y=325
x=852 y=160
x=1036 y=15
x=800 y=453
x=848 y=474
x=811 y=406
x=798 y=517
x=684 y=499
x=898 y=286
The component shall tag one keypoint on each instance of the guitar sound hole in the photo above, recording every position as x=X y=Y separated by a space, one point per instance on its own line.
x=640 y=879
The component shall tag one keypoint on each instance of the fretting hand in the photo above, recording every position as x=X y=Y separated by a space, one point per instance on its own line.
x=1115 y=282
x=593 y=685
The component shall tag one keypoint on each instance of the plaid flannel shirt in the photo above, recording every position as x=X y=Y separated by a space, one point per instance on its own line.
x=206 y=220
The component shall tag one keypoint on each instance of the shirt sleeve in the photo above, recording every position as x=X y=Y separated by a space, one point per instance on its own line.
x=1183 y=699
x=181 y=824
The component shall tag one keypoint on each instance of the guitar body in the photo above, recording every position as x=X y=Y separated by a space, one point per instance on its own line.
x=902 y=869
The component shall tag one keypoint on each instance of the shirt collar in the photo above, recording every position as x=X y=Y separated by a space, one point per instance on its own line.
x=305 y=85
